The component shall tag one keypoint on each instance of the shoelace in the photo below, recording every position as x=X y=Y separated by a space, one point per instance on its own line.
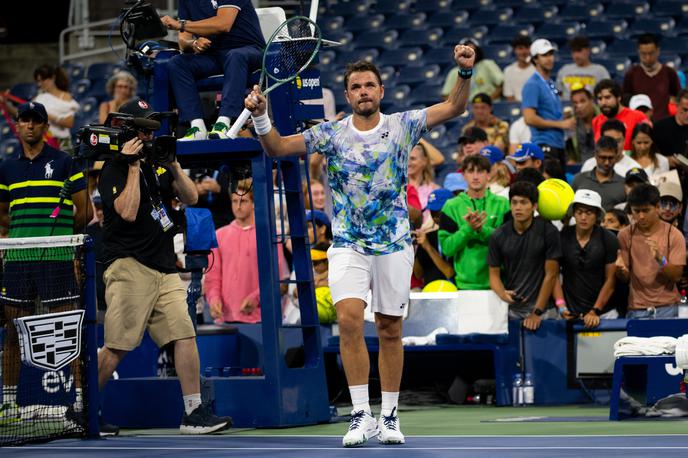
x=390 y=420
x=356 y=419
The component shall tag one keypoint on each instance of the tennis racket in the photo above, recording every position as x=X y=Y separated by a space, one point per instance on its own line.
x=290 y=49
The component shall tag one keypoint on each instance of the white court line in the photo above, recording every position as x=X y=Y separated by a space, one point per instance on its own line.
x=401 y=448
x=507 y=436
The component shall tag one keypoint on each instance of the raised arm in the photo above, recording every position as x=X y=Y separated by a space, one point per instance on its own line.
x=455 y=104
x=273 y=143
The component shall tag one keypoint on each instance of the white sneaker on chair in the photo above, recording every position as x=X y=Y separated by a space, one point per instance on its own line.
x=363 y=426
x=390 y=433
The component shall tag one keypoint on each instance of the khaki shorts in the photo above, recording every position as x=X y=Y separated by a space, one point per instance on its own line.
x=139 y=297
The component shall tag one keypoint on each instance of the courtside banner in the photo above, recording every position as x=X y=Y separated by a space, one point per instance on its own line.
x=50 y=341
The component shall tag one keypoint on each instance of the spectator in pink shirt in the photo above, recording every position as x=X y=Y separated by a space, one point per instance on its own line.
x=231 y=285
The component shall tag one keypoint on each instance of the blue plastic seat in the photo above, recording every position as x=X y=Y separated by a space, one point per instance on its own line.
x=505 y=33
x=345 y=38
x=402 y=21
x=616 y=66
x=396 y=96
x=672 y=60
x=471 y=5
x=606 y=29
x=442 y=56
x=627 y=10
x=622 y=47
x=427 y=94
x=334 y=78
x=513 y=3
x=364 y=22
x=75 y=70
x=326 y=58
x=388 y=7
x=532 y=14
x=9 y=148
x=677 y=45
x=382 y=39
x=497 y=51
x=98 y=91
x=26 y=91
x=437 y=135
x=350 y=8
x=448 y=19
x=331 y=24
x=507 y=111
x=580 y=12
x=415 y=76
x=429 y=38
x=559 y=31
x=5 y=130
x=674 y=8
x=430 y=6
x=402 y=57
x=662 y=26
x=597 y=48
x=368 y=55
x=79 y=88
x=492 y=16
x=101 y=70
x=88 y=106
x=388 y=75
x=453 y=36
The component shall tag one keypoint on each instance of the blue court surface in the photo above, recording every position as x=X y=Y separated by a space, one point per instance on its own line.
x=330 y=446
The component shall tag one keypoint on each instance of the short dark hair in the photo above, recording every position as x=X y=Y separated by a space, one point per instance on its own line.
x=643 y=194
x=530 y=175
x=621 y=216
x=552 y=167
x=682 y=94
x=613 y=124
x=524 y=189
x=521 y=40
x=606 y=144
x=648 y=39
x=360 y=66
x=477 y=161
x=609 y=84
x=579 y=42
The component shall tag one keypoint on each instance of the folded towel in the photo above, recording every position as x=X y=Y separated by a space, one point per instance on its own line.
x=430 y=339
x=645 y=346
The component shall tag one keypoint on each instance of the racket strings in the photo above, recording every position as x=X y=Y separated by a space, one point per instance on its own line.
x=292 y=50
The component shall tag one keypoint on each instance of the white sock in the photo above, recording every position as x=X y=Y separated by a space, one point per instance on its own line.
x=191 y=402
x=359 y=398
x=9 y=394
x=224 y=120
x=200 y=124
x=390 y=400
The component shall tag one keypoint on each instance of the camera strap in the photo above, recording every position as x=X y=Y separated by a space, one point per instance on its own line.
x=158 y=212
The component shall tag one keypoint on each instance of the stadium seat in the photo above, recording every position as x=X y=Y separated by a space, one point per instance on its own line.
x=437 y=134
x=441 y=56
x=491 y=16
x=9 y=148
x=75 y=70
x=368 y=55
x=101 y=70
x=672 y=60
x=677 y=45
x=418 y=37
x=558 y=3
x=385 y=39
x=597 y=48
x=350 y=8
x=345 y=38
x=448 y=19
x=621 y=10
x=504 y=33
x=513 y=3
x=453 y=36
x=327 y=58
x=98 y=91
x=580 y=12
x=26 y=91
x=472 y=5
x=88 y=107
x=5 y=130
x=79 y=88
x=663 y=26
x=334 y=78
x=388 y=75
x=497 y=51
x=398 y=95
x=606 y=29
x=364 y=22
x=507 y=111
x=535 y=14
x=559 y=31
x=400 y=57
x=331 y=24
x=673 y=8
x=430 y=6
x=402 y=21
x=616 y=66
x=427 y=94
x=388 y=7
x=415 y=76
x=622 y=47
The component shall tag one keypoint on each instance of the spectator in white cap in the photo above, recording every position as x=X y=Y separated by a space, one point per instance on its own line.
x=541 y=106
x=642 y=103
x=670 y=203
x=587 y=263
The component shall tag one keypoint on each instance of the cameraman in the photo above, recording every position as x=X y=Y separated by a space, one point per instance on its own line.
x=142 y=287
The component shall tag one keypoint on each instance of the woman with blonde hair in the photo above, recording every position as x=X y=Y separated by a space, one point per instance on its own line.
x=122 y=88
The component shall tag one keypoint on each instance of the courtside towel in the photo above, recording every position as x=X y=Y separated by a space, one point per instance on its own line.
x=645 y=346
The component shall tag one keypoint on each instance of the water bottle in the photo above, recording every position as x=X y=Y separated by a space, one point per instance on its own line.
x=528 y=390
x=683 y=305
x=517 y=390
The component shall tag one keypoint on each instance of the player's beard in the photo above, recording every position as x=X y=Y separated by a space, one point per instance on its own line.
x=366 y=112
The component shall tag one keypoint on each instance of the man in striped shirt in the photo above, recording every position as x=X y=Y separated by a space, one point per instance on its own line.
x=42 y=193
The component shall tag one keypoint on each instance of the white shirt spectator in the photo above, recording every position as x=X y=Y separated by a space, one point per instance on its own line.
x=514 y=79
x=519 y=132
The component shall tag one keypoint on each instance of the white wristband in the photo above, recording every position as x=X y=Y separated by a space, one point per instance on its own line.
x=262 y=124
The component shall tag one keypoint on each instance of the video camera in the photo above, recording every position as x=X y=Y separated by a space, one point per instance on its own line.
x=101 y=142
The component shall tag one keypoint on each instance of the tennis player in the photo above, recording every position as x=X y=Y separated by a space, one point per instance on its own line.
x=367 y=155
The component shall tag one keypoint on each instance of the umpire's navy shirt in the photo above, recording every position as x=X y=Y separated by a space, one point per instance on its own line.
x=244 y=32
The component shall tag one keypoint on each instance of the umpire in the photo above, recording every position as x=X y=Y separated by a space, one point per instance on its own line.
x=142 y=287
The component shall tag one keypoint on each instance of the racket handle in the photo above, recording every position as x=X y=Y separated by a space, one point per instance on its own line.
x=239 y=123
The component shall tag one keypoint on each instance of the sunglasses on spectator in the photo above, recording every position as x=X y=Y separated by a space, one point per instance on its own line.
x=668 y=204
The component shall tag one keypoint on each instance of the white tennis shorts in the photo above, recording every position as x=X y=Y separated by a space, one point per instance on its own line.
x=353 y=274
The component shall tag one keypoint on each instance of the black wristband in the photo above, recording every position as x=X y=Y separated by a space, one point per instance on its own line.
x=465 y=73
x=538 y=312
x=182 y=25
x=131 y=158
x=597 y=311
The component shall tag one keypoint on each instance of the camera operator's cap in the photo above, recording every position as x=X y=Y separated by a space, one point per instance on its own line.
x=320 y=217
x=437 y=198
x=493 y=153
x=540 y=46
x=588 y=198
x=670 y=189
x=32 y=108
x=636 y=174
x=526 y=151
x=472 y=135
x=140 y=109
x=640 y=100
x=455 y=182
x=482 y=98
